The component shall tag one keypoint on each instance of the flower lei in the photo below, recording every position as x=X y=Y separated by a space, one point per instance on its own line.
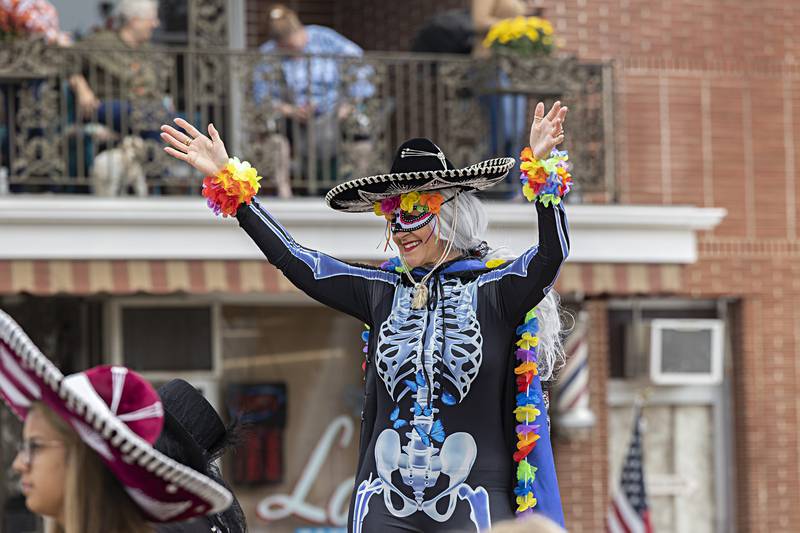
x=232 y=186
x=393 y=265
x=426 y=202
x=527 y=412
x=365 y=351
x=546 y=180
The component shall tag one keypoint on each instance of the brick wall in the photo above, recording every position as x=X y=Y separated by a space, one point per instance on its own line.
x=767 y=376
x=582 y=462
x=708 y=97
x=765 y=281
x=714 y=30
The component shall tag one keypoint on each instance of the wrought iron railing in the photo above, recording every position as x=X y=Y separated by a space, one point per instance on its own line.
x=472 y=108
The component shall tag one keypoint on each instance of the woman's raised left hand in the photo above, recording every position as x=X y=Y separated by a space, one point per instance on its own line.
x=547 y=131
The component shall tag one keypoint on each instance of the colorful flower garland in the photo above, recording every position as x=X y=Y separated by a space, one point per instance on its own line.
x=423 y=202
x=529 y=401
x=393 y=265
x=232 y=186
x=545 y=180
x=365 y=350
x=527 y=412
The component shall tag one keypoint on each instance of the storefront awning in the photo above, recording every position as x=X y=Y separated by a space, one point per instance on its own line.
x=120 y=277
x=49 y=277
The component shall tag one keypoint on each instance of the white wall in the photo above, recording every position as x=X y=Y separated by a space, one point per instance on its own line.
x=85 y=227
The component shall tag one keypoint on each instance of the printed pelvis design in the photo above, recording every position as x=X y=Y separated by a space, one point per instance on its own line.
x=416 y=349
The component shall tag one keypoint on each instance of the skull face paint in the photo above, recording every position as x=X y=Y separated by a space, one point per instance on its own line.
x=407 y=222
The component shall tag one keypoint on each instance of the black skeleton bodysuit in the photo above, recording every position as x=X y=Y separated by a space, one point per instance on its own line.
x=437 y=434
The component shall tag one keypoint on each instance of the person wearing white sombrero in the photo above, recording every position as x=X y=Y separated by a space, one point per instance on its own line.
x=454 y=430
x=87 y=459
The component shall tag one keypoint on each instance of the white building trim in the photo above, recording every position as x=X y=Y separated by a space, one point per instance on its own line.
x=82 y=227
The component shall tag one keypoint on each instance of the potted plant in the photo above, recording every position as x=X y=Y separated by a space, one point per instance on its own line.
x=521 y=36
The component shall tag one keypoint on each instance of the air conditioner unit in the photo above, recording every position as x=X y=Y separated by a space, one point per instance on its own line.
x=686 y=351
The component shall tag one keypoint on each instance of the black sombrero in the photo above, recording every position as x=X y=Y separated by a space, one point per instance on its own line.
x=419 y=165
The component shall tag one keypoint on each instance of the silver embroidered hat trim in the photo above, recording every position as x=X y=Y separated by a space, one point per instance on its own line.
x=471 y=177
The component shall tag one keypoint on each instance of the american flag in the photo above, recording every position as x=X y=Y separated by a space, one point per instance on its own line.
x=628 y=511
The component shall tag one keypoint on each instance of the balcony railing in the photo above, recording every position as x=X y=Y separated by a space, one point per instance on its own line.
x=363 y=108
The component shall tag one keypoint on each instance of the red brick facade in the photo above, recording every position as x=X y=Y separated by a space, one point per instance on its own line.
x=707 y=113
x=699 y=85
x=693 y=135
x=582 y=463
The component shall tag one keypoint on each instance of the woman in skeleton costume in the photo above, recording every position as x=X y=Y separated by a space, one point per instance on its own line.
x=454 y=429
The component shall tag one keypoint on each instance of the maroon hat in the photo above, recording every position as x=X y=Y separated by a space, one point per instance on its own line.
x=118 y=414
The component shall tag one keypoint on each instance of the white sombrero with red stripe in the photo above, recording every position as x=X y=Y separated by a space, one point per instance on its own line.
x=118 y=414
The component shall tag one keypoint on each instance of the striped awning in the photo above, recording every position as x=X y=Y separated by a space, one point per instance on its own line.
x=620 y=279
x=49 y=277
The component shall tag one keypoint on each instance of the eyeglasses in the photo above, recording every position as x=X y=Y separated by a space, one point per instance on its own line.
x=28 y=448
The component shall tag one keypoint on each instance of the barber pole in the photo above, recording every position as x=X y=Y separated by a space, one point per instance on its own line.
x=572 y=388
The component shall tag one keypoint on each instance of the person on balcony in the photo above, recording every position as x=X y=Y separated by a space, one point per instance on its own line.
x=455 y=432
x=124 y=93
x=307 y=87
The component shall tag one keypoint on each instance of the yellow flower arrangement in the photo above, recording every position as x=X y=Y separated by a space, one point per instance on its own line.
x=530 y=36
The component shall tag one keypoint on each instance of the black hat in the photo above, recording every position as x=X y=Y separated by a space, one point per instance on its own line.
x=419 y=165
x=191 y=419
x=195 y=435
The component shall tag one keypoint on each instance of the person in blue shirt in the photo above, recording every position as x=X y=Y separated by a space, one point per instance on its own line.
x=310 y=78
x=313 y=77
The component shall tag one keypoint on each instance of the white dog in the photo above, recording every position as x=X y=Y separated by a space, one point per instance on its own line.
x=116 y=169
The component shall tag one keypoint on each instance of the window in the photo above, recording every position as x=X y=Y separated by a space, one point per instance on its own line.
x=673 y=351
x=630 y=326
x=174 y=338
x=167 y=338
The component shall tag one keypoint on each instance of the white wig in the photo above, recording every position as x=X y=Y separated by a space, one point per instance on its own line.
x=128 y=9
x=471 y=221
x=471 y=225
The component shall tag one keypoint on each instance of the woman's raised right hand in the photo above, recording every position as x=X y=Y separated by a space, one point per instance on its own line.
x=209 y=156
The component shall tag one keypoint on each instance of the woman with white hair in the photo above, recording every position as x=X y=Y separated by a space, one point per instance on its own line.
x=454 y=428
x=116 y=67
